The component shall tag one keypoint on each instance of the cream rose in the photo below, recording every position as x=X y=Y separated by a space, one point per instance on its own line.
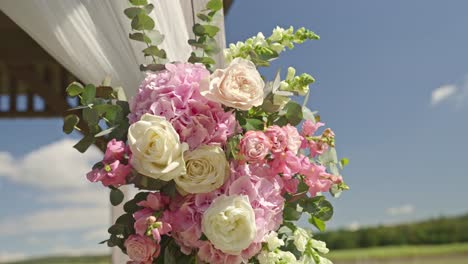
x=229 y=223
x=206 y=170
x=239 y=85
x=156 y=148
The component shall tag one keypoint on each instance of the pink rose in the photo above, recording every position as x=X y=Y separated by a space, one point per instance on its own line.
x=278 y=138
x=239 y=85
x=254 y=146
x=141 y=248
x=294 y=139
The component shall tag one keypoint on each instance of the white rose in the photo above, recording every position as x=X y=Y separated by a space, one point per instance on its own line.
x=207 y=170
x=229 y=223
x=239 y=85
x=156 y=148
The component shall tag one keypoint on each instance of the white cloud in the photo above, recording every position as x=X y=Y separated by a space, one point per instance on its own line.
x=11 y=256
x=54 y=166
x=54 y=220
x=443 y=93
x=353 y=226
x=401 y=210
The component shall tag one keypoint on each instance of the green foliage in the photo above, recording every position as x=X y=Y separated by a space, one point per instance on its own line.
x=69 y=123
x=261 y=50
x=205 y=34
x=142 y=22
x=430 y=232
x=74 y=89
x=97 y=104
x=138 y=2
x=116 y=196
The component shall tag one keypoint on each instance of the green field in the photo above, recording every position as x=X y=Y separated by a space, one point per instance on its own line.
x=434 y=254
x=439 y=254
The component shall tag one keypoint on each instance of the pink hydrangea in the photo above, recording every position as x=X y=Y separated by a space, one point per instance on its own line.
x=265 y=195
x=254 y=146
x=141 y=249
x=175 y=94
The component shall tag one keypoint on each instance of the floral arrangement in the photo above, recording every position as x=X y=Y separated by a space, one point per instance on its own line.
x=224 y=173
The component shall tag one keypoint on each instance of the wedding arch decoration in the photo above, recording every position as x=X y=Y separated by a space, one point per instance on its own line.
x=223 y=171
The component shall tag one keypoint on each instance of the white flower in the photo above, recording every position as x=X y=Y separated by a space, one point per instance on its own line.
x=320 y=246
x=229 y=223
x=301 y=238
x=207 y=170
x=276 y=256
x=156 y=148
x=239 y=85
x=273 y=241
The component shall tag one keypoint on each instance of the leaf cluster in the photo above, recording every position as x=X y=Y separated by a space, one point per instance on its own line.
x=100 y=111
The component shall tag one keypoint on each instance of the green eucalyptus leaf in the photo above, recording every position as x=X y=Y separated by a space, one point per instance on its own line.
x=211 y=47
x=210 y=30
x=254 y=124
x=149 y=8
x=155 y=51
x=198 y=29
x=74 y=89
x=204 y=17
x=291 y=214
x=88 y=95
x=142 y=22
x=90 y=116
x=214 y=5
x=69 y=123
x=319 y=224
x=140 y=37
x=138 y=2
x=169 y=189
x=105 y=132
x=152 y=67
x=116 y=196
x=132 y=12
x=84 y=143
x=155 y=36
x=293 y=113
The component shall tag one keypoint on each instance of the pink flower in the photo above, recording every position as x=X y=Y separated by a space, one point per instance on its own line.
x=294 y=139
x=278 y=138
x=318 y=179
x=115 y=150
x=254 y=146
x=175 y=94
x=309 y=128
x=113 y=174
x=210 y=254
x=155 y=201
x=141 y=248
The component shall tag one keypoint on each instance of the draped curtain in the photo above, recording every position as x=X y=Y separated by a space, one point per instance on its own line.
x=90 y=39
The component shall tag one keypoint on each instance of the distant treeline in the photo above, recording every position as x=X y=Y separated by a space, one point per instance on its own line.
x=435 y=231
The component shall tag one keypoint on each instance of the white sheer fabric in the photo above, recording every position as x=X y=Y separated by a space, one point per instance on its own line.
x=90 y=38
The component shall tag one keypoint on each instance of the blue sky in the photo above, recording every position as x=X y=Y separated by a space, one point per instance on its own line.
x=391 y=82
